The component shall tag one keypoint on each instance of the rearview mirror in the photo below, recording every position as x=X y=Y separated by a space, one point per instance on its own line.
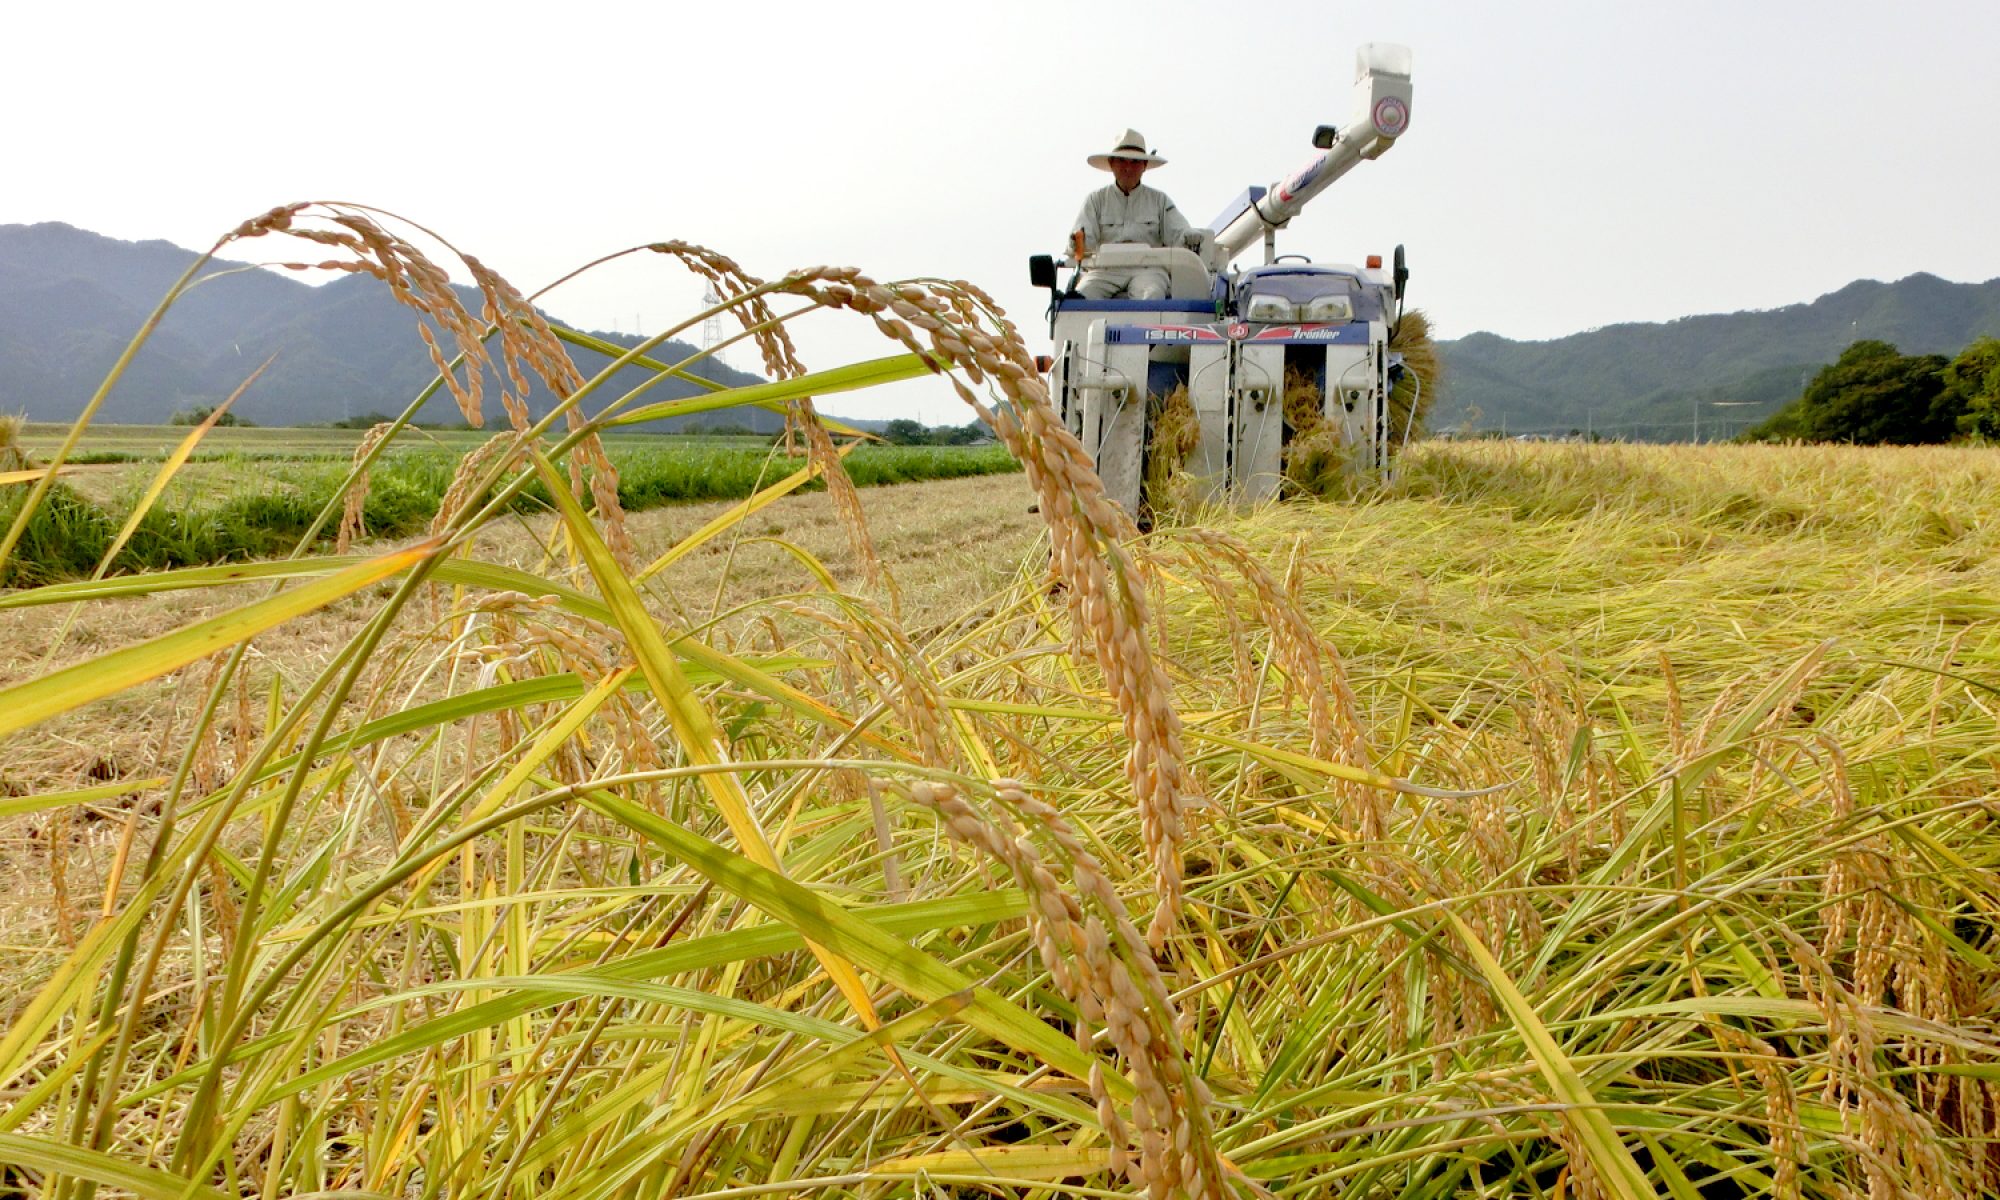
x=1324 y=136
x=1401 y=274
x=1042 y=270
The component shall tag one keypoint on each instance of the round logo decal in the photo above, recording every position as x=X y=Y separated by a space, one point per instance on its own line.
x=1392 y=116
x=1238 y=330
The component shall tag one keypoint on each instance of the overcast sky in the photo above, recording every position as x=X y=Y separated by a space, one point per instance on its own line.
x=1568 y=165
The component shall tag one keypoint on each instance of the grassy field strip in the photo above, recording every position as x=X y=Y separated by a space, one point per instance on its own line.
x=236 y=507
x=151 y=443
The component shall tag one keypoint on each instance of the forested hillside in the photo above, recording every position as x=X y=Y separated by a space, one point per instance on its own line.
x=1726 y=371
x=70 y=300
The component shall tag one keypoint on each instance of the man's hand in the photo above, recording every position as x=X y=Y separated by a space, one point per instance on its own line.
x=1192 y=240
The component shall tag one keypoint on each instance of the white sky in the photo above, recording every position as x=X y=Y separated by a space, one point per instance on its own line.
x=1568 y=165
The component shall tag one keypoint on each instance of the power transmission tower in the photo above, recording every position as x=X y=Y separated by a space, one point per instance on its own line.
x=711 y=329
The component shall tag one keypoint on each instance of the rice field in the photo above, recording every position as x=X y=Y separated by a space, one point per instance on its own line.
x=151 y=444
x=254 y=493
x=1557 y=821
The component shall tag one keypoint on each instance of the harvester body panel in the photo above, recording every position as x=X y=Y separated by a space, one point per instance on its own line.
x=1211 y=380
x=1260 y=421
x=1253 y=386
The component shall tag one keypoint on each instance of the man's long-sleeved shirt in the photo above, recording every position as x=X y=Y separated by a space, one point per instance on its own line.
x=1145 y=215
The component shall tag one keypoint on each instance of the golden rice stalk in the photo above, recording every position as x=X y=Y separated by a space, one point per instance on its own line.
x=527 y=345
x=820 y=453
x=57 y=831
x=1176 y=431
x=745 y=295
x=12 y=456
x=527 y=341
x=589 y=451
x=1107 y=598
x=1114 y=982
x=869 y=644
x=1087 y=531
x=1316 y=463
x=1316 y=457
x=1230 y=610
x=1304 y=406
x=460 y=492
x=1312 y=666
x=356 y=502
x=1420 y=381
x=414 y=281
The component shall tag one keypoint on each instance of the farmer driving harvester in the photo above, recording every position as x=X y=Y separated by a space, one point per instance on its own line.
x=1290 y=363
x=1127 y=211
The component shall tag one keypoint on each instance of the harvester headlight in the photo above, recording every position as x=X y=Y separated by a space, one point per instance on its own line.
x=1271 y=308
x=1330 y=308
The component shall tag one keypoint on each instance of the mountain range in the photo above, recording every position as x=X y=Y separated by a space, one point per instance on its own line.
x=70 y=300
x=1721 y=372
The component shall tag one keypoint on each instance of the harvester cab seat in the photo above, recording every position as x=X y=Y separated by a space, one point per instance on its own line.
x=1188 y=277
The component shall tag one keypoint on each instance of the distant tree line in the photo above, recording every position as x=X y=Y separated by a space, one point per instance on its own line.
x=198 y=414
x=370 y=420
x=905 y=432
x=900 y=432
x=1876 y=395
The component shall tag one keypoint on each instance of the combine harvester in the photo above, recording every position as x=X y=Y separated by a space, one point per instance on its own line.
x=1231 y=338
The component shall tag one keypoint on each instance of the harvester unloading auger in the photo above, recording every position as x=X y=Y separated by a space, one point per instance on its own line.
x=1231 y=339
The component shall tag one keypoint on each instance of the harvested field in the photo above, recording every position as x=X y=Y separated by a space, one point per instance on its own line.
x=950 y=544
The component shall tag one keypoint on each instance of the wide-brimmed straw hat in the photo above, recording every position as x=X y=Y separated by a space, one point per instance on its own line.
x=1131 y=144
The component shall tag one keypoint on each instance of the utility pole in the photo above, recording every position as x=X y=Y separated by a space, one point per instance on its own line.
x=1697 y=420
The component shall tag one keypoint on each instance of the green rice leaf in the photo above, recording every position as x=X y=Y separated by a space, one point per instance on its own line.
x=1616 y=1169
x=821 y=921
x=776 y=394
x=38 y=699
x=98 y=1167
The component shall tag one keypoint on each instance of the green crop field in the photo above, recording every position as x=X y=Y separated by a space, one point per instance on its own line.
x=152 y=443
x=1542 y=821
x=253 y=493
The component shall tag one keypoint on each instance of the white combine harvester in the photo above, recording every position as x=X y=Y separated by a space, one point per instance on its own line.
x=1231 y=336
